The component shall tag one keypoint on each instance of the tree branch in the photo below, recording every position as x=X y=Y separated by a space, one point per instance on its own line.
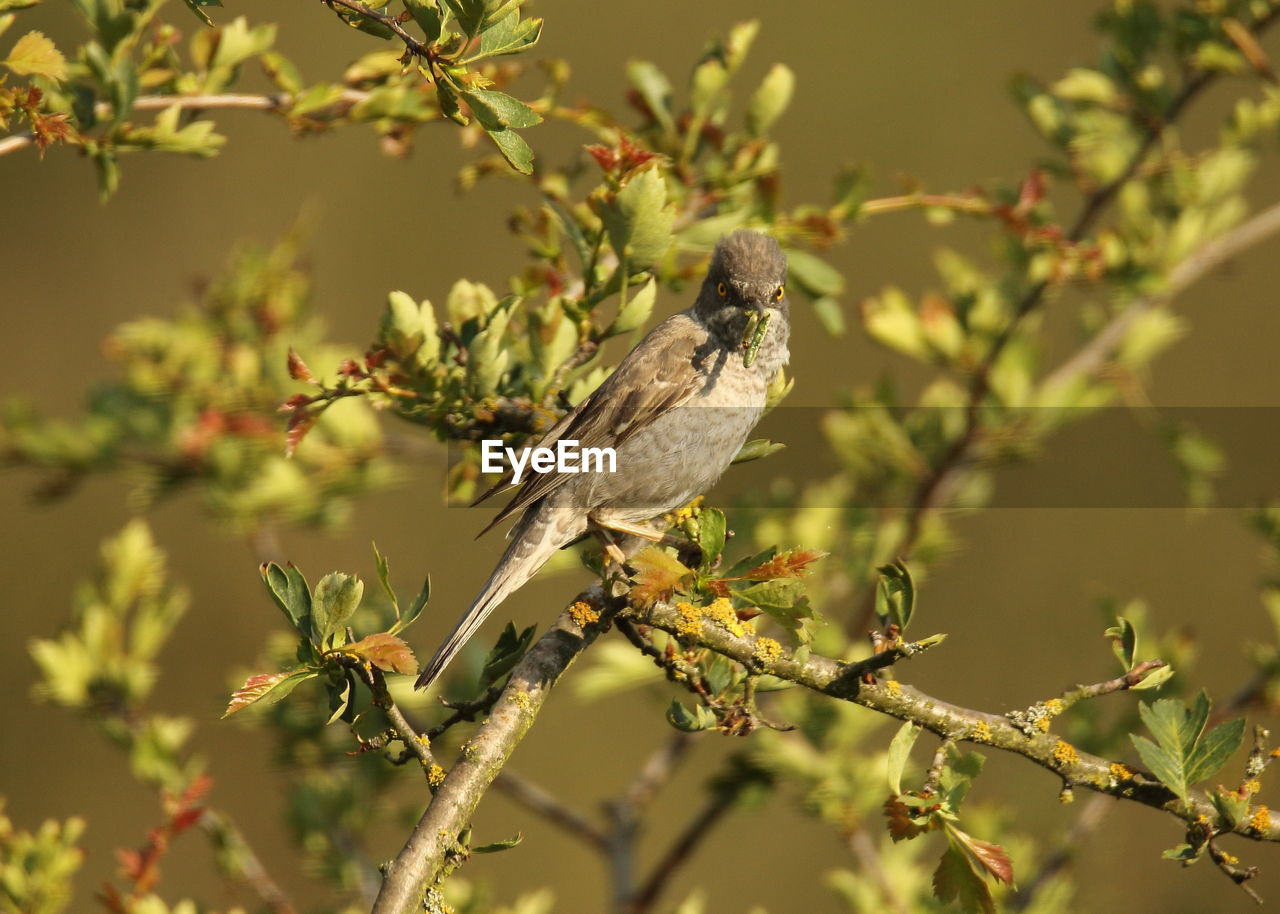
x=433 y=845
x=1094 y=354
x=930 y=491
x=545 y=804
x=844 y=681
x=272 y=102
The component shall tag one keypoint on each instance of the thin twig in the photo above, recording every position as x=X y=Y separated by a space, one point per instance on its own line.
x=550 y=807
x=271 y=102
x=1094 y=354
x=931 y=489
x=681 y=850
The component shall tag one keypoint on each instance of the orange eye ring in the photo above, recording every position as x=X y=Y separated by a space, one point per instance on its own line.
x=782 y=290
x=721 y=289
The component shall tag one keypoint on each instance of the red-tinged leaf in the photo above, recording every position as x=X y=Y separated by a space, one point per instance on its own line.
x=718 y=588
x=901 y=825
x=350 y=368
x=657 y=576
x=48 y=129
x=298 y=369
x=387 y=652
x=1032 y=191
x=269 y=686
x=299 y=424
x=130 y=863
x=200 y=785
x=955 y=879
x=793 y=564
x=185 y=818
x=633 y=155
x=605 y=157
x=990 y=857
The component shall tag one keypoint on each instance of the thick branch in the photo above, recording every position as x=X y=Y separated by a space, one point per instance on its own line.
x=434 y=840
x=843 y=681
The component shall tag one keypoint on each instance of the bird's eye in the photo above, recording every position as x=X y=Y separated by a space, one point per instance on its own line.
x=721 y=289
x=781 y=291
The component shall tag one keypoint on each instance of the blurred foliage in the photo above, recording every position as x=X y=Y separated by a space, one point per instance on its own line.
x=196 y=405
x=134 y=63
x=1110 y=224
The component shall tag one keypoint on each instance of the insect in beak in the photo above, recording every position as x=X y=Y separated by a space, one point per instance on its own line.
x=753 y=335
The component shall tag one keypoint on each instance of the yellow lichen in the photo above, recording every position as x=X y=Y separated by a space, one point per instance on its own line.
x=1064 y=753
x=1043 y=725
x=1275 y=753
x=721 y=612
x=583 y=614
x=981 y=732
x=522 y=701
x=435 y=775
x=1251 y=787
x=690 y=624
x=678 y=516
x=1121 y=771
x=1229 y=859
x=1261 y=819
x=894 y=687
x=1053 y=706
x=766 y=651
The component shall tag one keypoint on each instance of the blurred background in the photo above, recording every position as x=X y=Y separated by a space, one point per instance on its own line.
x=910 y=90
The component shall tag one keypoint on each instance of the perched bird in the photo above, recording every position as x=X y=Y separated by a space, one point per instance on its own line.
x=676 y=411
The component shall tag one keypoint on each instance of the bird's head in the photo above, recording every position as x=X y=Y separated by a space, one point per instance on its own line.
x=748 y=273
x=747 y=277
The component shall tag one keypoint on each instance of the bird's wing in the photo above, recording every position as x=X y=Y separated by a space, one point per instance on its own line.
x=655 y=377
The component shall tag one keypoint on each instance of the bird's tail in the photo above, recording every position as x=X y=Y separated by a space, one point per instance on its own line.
x=534 y=540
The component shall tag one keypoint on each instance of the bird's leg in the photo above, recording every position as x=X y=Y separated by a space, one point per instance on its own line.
x=689 y=551
x=610 y=545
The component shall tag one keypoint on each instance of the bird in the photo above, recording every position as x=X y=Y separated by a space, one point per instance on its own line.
x=676 y=411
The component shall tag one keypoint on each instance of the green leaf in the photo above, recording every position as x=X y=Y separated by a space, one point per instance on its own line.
x=712 y=530
x=899 y=752
x=340 y=695
x=757 y=448
x=15 y=5
x=419 y=604
x=813 y=274
x=505 y=654
x=268 y=687
x=510 y=35
x=655 y=90
x=829 y=313
x=680 y=717
x=1180 y=756
x=335 y=601
x=1124 y=641
x=771 y=99
x=895 y=595
x=496 y=110
x=957 y=880
x=514 y=149
x=429 y=16
x=782 y=601
x=196 y=6
x=1153 y=680
x=289 y=589
x=384 y=578
x=639 y=220
x=447 y=99
x=636 y=311
x=469 y=13
x=35 y=55
x=496 y=846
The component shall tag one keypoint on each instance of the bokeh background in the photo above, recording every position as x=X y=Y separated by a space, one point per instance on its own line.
x=909 y=89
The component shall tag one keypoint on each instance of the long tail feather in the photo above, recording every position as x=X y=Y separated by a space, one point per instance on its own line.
x=534 y=540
